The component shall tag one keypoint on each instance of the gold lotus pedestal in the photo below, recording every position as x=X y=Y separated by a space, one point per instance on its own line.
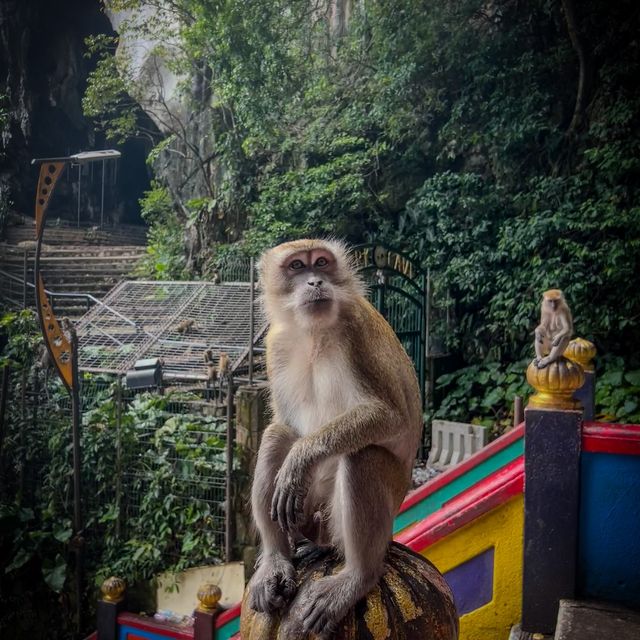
x=555 y=385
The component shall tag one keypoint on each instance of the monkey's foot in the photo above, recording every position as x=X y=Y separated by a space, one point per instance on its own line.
x=542 y=362
x=322 y=605
x=272 y=585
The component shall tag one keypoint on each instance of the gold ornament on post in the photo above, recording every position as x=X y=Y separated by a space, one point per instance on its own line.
x=555 y=384
x=583 y=352
x=113 y=589
x=209 y=595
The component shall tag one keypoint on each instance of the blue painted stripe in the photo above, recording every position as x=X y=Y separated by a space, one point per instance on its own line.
x=125 y=630
x=472 y=582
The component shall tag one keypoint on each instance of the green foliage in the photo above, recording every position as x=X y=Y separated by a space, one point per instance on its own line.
x=442 y=128
x=165 y=256
x=617 y=392
x=21 y=330
x=148 y=468
x=483 y=394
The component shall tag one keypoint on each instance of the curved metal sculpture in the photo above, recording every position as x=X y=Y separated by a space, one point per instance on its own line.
x=57 y=343
x=63 y=352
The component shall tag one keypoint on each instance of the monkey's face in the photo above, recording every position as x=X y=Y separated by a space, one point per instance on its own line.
x=307 y=282
x=552 y=300
x=309 y=278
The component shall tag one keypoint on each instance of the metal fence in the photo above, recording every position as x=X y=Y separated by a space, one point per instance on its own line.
x=154 y=466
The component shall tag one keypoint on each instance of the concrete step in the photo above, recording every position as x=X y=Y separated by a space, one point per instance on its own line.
x=585 y=620
x=64 y=234
x=16 y=254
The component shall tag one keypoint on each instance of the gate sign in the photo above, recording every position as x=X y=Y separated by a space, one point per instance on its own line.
x=397 y=289
x=380 y=257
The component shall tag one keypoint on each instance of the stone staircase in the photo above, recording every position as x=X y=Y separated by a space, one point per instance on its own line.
x=62 y=233
x=589 y=620
x=76 y=263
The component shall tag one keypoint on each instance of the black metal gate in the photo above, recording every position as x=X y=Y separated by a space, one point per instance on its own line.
x=398 y=290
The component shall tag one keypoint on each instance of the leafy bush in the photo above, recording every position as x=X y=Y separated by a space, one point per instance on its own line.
x=483 y=394
x=165 y=257
x=617 y=392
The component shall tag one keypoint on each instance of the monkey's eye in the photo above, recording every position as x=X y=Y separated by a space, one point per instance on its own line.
x=297 y=264
x=321 y=262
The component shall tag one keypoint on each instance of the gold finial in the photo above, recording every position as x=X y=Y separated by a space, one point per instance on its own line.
x=209 y=595
x=113 y=589
x=581 y=351
x=555 y=384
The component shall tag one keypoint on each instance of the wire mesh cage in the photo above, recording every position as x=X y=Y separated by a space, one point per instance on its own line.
x=174 y=321
x=154 y=467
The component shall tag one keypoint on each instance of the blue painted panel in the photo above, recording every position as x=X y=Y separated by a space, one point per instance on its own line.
x=125 y=630
x=472 y=582
x=609 y=544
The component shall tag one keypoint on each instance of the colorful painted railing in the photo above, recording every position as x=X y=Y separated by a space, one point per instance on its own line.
x=475 y=539
x=447 y=503
x=609 y=540
x=469 y=522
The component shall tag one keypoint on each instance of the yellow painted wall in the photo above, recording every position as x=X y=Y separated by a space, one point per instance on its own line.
x=502 y=528
x=182 y=599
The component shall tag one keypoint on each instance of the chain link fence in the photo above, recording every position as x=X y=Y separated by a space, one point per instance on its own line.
x=154 y=472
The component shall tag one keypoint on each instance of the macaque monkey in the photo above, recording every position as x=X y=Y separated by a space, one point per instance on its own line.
x=335 y=464
x=554 y=332
x=210 y=366
x=224 y=365
x=186 y=326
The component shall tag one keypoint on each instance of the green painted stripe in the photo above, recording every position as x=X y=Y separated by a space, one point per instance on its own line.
x=428 y=505
x=232 y=627
x=434 y=501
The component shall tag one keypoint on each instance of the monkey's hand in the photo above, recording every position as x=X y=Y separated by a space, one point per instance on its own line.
x=558 y=339
x=292 y=486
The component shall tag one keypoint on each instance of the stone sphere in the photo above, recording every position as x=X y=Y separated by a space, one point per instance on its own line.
x=410 y=602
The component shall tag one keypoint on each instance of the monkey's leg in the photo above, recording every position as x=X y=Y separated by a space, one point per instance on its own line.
x=273 y=583
x=370 y=486
x=541 y=343
x=556 y=351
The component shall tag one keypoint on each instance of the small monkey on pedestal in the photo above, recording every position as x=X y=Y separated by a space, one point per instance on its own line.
x=335 y=464
x=553 y=334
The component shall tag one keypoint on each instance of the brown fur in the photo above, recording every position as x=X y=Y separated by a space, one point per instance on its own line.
x=336 y=463
x=554 y=332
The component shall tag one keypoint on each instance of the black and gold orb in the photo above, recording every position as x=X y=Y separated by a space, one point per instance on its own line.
x=411 y=601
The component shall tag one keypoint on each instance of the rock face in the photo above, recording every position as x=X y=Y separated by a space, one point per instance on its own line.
x=43 y=73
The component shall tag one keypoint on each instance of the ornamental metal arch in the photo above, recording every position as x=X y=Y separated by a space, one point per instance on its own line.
x=398 y=289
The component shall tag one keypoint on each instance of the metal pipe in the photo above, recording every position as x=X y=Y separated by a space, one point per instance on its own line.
x=518 y=411
x=77 y=496
x=251 y=319
x=427 y=340
x=228 y=512
x=79 y=191
x=25 y=264
x=4 y=397
x=118 y=456
x=102 y=197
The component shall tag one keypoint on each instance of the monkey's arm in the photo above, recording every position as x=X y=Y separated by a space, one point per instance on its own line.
x=350 y=432
x=565 y=331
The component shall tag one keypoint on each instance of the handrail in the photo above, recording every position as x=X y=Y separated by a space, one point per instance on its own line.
x=62 y=294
